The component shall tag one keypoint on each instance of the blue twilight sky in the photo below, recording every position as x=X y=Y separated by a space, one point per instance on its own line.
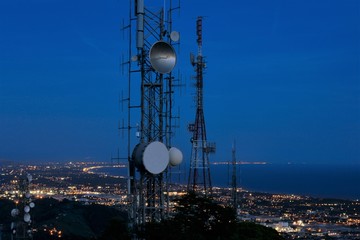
x=283 y=78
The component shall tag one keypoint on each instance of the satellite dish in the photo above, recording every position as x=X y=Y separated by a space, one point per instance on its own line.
x=32 y=205
x=14 y=212
x=137 y=155
x=162 y=57
x=26 y=209
x=27 y=195
x=175 y=156
x=134 y=58
x=29 y=177
x=156 y=157
x=152 y=157
x=27 y=217
x=175 y=36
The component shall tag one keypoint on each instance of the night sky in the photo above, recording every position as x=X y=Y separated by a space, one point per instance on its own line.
x=282 y=78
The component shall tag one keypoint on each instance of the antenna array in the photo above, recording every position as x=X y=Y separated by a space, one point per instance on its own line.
x=21 y=226
x=150 y=64
x=199 y=176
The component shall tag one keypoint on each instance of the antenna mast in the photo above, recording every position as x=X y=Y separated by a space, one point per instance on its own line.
x=234 y=178
x=150 y=63
x=21 y=227
x=199 y=176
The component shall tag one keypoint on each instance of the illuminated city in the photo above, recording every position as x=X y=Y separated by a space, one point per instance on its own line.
x=102 y=120
x=291 y=215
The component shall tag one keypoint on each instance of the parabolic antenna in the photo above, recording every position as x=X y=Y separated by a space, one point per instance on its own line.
x=29 y=177
x=26 y=209
x=152 y=157
x=32 y=205
x=137 y=155
x=174 y=36
x=27 y=217
x=162 y=57
x=14 y=212
x=175 y=156
x=134 y=58
x=27 y=195
x=156 y=157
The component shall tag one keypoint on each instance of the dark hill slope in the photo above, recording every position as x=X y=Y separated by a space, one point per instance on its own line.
x=73 y=219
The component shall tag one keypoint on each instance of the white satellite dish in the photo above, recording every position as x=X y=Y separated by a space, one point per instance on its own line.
x=29 y=177
x=152 y=157
x=14 y=212
x=26 y=209
x=27 y=195
x=32 y=205
x=175 y=156
x=175 y=36
x=27 y=217
x=156 y=157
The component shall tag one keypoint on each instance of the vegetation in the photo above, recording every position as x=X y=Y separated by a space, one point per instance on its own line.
x=75 y=220
x=200 y=218
x=196 y=217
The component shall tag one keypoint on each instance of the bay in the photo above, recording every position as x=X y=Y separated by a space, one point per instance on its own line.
x=325 y=181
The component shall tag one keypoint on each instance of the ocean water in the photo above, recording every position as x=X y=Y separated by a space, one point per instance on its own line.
x=328 y=181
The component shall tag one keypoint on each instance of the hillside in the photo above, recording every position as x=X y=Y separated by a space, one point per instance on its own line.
x=68 y=219
x=195 y=218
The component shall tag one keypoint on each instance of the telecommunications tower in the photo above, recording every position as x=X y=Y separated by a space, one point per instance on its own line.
x=199 y=175
x=150 y=63
x=234 y=188
x=21 y=226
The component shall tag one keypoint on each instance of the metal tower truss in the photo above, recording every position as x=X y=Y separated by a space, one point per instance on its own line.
x=199 y=176
x=21 y=226
x=150 y=64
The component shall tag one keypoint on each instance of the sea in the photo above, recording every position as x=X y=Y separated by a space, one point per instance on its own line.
x=322 y=181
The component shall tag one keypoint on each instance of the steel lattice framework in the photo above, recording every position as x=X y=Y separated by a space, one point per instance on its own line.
x=199 y=175
x=146 y=196
x=21 y=226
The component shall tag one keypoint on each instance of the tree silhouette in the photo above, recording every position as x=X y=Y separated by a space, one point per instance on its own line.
x=198 y=217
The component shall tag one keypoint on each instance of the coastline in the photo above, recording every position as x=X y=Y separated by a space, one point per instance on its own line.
x=318 y=181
